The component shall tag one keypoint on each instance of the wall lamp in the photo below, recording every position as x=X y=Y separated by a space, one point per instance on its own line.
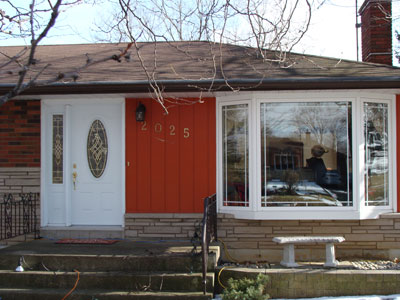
x=140 y=112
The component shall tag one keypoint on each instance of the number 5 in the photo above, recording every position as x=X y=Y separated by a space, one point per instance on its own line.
x=186 y=133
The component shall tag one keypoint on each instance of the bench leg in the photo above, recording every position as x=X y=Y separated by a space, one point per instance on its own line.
x=330 y=256
x=288 y=256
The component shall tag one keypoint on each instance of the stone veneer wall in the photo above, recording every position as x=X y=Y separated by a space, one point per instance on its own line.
x=162 y=226
x=20 y=180
x=311 y=283
x=251 y=240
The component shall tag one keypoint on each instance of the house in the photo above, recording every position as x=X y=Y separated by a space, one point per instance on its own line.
x=302 y=147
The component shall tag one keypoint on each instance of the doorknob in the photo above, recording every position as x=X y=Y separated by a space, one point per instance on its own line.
x=74 y=175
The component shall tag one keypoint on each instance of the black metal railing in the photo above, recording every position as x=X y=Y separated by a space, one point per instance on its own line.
x=18 y=215
x=209 y=233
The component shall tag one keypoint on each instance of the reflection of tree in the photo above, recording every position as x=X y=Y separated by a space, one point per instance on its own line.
x=321 y=119
x=270 y=120
x=236 y=143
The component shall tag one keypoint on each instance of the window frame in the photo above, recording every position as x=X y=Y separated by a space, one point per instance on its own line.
x=357 y=99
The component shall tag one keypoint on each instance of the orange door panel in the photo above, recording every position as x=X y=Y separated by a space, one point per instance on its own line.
x=170 y=159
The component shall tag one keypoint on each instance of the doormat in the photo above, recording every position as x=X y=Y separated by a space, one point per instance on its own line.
x=87 y=241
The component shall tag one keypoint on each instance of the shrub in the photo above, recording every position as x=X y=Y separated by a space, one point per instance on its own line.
x=247 y=289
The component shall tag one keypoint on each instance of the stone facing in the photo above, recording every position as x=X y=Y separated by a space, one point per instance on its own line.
x=19 y=180
x=311 y=283
x=378 y=238
x=159 y=226
x=251 y=240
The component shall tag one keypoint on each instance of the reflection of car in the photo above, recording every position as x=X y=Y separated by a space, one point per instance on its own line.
x=331 y=178
x=378 y=165
x=307 y=193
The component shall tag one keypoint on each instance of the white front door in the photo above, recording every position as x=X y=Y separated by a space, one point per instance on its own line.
x=91 y=189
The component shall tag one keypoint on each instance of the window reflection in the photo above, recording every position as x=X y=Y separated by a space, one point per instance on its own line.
x=376 y=154
x=235 y=155
x=306 y=154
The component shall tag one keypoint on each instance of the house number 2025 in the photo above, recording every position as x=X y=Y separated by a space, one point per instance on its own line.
x=158 y=128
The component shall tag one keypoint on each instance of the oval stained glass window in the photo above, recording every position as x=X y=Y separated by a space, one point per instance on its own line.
x=97 y=148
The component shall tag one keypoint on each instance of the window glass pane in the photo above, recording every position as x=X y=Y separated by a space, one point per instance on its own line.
x=376 y=154
x=235 y=155
x=306 y=154
x=97 y=148
x=57 y=149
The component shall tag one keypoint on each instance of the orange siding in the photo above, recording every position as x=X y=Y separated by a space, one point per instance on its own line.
x=170 y=159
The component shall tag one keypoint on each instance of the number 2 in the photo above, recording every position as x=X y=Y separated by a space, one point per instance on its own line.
x=172 y=130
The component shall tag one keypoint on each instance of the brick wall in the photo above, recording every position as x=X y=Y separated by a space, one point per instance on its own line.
x=376 y=31
x=251 y=240
x=20 y=133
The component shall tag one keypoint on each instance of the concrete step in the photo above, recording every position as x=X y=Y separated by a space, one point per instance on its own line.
x=80 y=294
x=87 y=232
x=147 y=263
x=138 y=281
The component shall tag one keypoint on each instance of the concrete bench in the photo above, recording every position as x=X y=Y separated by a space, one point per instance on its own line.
x=290 y=241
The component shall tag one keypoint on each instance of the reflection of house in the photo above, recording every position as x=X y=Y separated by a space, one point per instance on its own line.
x=284 y=154
x=157 y=171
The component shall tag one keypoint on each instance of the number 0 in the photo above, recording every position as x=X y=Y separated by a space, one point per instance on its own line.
x=158 y=127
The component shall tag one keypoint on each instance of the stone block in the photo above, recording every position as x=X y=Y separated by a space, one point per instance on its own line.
x=155 y=235
x=364 y=237
x=278 y=223
x=170 y=220
x=31 y=189
x=331 y=229
x=131 y=233
x=390 y=216
x=243 y=245
x=388 y=245
x=252 y=230
x=221 y=233
x=377 y=222
x=22 y=182
x=161 y=230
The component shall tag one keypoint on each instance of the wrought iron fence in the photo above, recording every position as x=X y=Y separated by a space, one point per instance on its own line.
x=209 y=232
x=18 y=215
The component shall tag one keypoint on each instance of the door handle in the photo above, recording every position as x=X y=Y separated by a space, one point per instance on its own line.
x=74 y=175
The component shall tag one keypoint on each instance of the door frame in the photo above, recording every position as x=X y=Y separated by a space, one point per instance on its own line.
x=63 y=103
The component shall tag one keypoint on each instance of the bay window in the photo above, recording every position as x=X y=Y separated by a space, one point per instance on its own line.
x=283 y=156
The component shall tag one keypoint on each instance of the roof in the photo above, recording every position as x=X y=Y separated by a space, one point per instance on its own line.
x=190 y=66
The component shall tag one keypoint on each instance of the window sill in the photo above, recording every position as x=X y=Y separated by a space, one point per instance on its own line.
x=308 y=214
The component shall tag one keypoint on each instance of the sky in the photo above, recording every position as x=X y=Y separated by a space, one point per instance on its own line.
x=332 y=32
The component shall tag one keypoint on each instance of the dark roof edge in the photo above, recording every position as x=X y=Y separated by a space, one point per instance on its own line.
x=387 y=82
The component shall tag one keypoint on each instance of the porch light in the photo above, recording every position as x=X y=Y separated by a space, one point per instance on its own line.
x=140 y=112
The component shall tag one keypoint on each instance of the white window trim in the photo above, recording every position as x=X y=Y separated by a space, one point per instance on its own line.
x=358 y=210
